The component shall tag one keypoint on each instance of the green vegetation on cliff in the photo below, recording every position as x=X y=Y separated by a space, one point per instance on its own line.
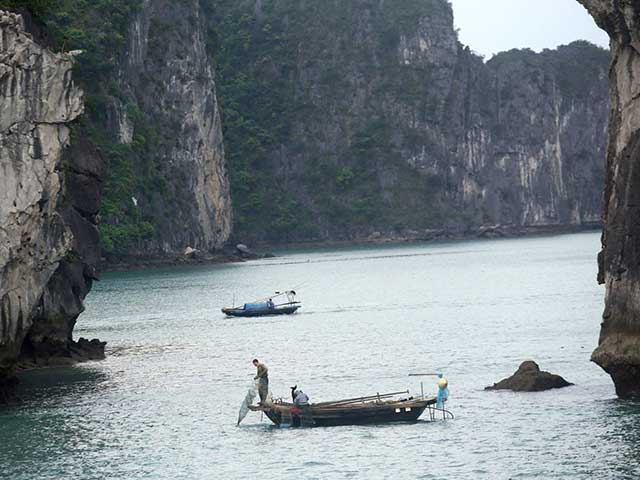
x=37 y=8
x=257 y=114
x=346 y=118
x=573 y=65
x=291 y=178
x=340 y=118
x=99 y=28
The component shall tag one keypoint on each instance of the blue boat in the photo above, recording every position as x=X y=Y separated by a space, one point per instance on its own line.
x=266 y=307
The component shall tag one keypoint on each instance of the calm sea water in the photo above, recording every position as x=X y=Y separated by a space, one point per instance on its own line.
x=164 y=403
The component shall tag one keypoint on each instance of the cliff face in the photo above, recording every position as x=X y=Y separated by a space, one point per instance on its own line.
x=402 y=126
x=150 y=139
x=377 y=102
x=48 y=201
x=618 y=351
x=165 y=137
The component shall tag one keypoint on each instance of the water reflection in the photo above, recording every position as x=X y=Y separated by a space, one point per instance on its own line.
x=50 y=386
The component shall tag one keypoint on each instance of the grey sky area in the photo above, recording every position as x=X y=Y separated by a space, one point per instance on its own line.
x=492 y=26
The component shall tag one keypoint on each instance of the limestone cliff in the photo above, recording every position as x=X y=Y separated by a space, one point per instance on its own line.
x=48 y=201
x=166 y=137
x=619 y=349
x=150 y=140
x=402 y=126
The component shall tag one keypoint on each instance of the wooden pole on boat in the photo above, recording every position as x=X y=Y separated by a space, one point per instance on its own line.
x=287 y=304
x=359 y=399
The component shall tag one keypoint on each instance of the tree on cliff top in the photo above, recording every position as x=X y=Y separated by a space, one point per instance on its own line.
x=38 y=8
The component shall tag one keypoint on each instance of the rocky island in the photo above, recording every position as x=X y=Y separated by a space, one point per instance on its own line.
x=529 y=378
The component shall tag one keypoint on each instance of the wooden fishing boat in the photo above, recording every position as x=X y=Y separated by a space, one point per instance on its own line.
x=266 y=307
x=285 y=309
x=360 y=411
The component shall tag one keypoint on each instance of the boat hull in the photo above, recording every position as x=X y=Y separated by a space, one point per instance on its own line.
x=239 y=312
x=287 y=415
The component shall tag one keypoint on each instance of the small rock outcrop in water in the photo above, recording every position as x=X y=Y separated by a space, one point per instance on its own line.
x=49 y=201
x=81 y=351
x=618 y=351
x=529 y=378
x=245 y=252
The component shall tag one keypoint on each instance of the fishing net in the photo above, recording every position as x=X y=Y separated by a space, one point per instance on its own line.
x=252 y=391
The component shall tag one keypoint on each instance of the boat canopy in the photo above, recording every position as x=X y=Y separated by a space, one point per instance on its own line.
x=263 y=303
x=257 y=306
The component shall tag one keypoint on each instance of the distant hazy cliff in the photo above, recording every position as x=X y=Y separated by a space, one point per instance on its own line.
x=619 y=349
x=345 y=118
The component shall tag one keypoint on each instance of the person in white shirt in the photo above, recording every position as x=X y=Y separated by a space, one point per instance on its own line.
x=300 y=399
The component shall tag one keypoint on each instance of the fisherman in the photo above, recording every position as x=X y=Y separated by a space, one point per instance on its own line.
x=300 y=399
x=270 y=304
x=263 y=380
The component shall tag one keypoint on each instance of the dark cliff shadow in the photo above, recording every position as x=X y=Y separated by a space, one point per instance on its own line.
x=54 y=385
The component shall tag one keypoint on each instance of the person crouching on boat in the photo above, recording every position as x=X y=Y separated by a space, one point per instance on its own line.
x=270 y=304
x=300 y=399
x=263 y=380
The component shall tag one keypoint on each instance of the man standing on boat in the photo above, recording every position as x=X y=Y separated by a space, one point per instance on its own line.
x=263 y=380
